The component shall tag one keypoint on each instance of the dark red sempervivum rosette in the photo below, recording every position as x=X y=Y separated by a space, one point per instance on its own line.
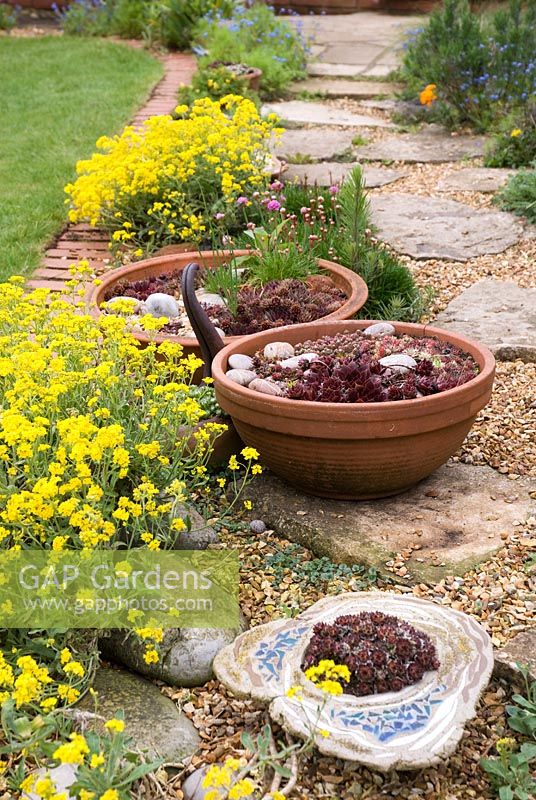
x=382 y=652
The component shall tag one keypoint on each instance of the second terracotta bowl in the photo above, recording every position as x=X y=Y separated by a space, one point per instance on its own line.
x=353 y=451
x=349 y=282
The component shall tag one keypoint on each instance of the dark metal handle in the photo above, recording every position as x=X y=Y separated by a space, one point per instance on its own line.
x=208 y=337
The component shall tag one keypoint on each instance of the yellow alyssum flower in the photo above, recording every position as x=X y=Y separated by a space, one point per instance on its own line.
x=110 y=794
x=516 y=132
x=72 y=752
x=327 y=674
x=115 y=725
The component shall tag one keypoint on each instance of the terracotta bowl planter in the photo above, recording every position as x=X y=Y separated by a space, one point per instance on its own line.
x=351 y=284
x=353 y=451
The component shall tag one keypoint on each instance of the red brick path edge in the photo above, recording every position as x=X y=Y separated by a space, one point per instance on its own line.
x=82 y=241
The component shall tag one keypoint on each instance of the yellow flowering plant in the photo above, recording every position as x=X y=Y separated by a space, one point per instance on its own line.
x=170 y=179
x=90 y=456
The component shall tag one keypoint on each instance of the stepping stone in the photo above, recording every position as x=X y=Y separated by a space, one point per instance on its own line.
x=474 y=179
x=300 y=112
x=500 y=314
x=326 y=173
x=353 y=52
x=361 y=90
x=326 y=70
x=317 y=143
x=519 y=650
x=153 y=721
x=423 y=147
x=425 y=227
x=451 y=517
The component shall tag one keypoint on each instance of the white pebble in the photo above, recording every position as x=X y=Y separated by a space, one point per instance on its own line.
x=265 y=387
x=380 y=329
x=240 y=361
x=399 y=362
x=162 y=305
x=278 y=350
x=209 y=299
x=241 y=376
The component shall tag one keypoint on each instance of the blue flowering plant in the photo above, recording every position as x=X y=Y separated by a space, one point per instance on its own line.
x=481 y=67
x=255 y=36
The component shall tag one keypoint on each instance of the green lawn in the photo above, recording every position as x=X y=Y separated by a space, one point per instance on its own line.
x=57 y=96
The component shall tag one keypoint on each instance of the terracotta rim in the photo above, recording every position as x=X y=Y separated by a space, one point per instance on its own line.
x=307 y=409
x=350 y=282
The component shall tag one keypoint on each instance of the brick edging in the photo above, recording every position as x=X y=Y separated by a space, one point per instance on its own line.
x=83 y=241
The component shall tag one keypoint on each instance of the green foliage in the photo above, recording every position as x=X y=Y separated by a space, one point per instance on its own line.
x=316 y=570
x=94 y=88
x=256 y=37
x=515 y=144
x=215 y=82
x=393 y=293
x=519 y=194
x=170 y=22
x=224 y=280
x=482 y=67
x=512 y=773
x=276 y=258
x=8 y=17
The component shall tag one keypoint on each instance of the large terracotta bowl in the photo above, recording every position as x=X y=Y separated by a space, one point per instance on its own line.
x=353 y=451
x=349 y=282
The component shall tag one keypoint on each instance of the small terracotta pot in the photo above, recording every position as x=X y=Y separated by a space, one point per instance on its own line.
x=351 y=284
x=355 y=451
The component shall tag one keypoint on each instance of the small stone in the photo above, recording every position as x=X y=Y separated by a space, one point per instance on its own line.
x=309 y=356
x=220 y=332
x=257 y=526
x=192 y=788
x=278 y=350
x=380 y=329
x=240 y=361
x=209 y=299
x=291 y=363
x=265 y=387
x=162 y=305
x=63 y=778
x=241 y=376
x=400 y=362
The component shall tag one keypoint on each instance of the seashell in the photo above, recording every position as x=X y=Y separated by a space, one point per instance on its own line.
x=240 y=361
x=278 y=350
x=162 y=305
x=265 y=387
x=380 y=329
x=241 y=376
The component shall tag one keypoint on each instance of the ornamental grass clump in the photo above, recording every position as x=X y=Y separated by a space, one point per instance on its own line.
x=368 y=653
x=167 y=181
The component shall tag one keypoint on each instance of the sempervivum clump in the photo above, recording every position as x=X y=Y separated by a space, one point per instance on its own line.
x=169 y=283
x=382 y=652
x=277 y=303
x=358 y=368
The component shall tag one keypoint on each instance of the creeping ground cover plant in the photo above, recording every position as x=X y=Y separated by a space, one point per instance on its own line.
x=166 y=181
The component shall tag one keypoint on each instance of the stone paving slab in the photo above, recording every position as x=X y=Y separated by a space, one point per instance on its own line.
x=300 y=112
x=345 y=88
x=426 y=146
x=474 y=179
x=326 y=173
x=327 y=70
x=519 y=650
x=500 y=314
x=427 y=227
x=452 y=520
x=317 y=143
